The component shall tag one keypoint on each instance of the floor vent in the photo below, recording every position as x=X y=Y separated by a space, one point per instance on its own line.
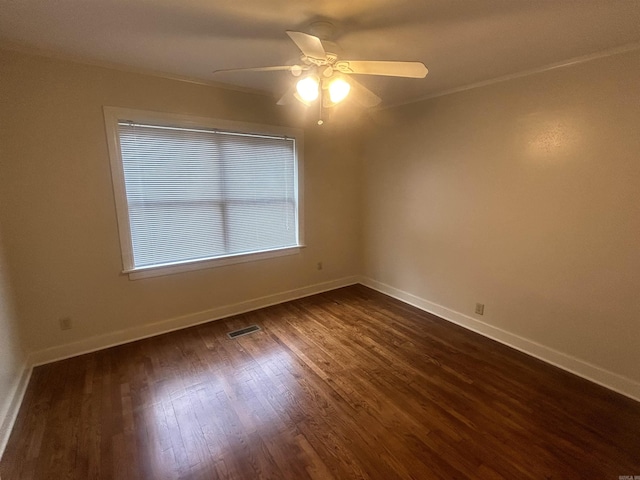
x=243 y=331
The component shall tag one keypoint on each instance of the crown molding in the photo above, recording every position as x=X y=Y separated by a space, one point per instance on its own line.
x=629 y=47
x=85 y=60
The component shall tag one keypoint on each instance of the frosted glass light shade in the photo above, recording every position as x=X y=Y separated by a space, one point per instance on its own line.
x=338 y=90
x=307 y=88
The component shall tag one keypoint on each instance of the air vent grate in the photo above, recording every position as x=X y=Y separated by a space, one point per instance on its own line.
x=243 y=331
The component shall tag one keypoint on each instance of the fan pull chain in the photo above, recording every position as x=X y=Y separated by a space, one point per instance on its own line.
x=320 y=121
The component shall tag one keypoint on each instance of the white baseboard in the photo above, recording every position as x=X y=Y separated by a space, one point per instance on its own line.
x=598 y=375
x=15 y=400
x=119 y=337
x=593 y=373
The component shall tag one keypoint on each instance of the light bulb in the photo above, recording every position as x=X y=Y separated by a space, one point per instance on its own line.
x=308 y=88
x=338 y=90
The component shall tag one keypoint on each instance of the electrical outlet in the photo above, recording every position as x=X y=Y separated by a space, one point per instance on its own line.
x=65 y=323
x=480 y=308
x=319 y=266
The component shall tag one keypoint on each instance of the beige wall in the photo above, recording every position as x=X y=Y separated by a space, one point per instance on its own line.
x=13 y=359
x=58 y=215
x=524 y=196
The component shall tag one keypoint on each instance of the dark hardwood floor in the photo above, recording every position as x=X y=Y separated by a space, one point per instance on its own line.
x=347 y=384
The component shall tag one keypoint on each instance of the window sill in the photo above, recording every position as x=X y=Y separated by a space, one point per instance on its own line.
x=170 y=269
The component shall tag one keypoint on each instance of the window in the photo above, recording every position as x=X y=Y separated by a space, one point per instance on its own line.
x=196 y=192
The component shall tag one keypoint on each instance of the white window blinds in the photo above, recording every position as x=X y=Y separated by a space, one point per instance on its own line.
x=195 y=194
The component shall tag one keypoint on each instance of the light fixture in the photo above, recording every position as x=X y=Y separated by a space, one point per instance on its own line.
x=307 y=88
x=338 y=90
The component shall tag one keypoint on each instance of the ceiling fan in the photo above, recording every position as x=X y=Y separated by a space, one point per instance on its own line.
x=325 y=76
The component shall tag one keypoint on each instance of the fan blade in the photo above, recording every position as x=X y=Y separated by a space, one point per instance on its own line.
x=326 y=101
x=362 y=95
x=391 y=69
x=288 y=97
x=309 y=45
x=278 y=68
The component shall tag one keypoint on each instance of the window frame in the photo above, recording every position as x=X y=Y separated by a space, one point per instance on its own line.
x=113 y=115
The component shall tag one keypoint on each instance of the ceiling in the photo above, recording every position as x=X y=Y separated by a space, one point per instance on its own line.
x=462 y=42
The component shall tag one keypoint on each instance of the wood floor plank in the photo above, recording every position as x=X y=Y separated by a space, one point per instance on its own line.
x=349 y=384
